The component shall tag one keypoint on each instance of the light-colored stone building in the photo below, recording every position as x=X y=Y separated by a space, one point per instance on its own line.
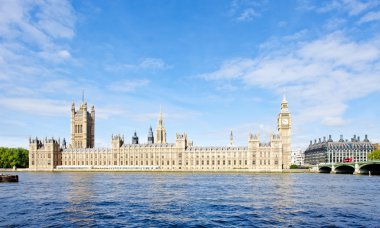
x=49 y=154
x=298 y=158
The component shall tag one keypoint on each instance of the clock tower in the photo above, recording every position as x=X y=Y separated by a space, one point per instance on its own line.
x=284 y=122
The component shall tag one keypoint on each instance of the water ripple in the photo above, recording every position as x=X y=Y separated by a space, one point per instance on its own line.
x=189 y=200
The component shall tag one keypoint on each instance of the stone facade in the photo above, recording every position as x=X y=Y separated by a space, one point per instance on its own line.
x=45 y=154
x=82 y=126
x=328 y=151
x=273 y=156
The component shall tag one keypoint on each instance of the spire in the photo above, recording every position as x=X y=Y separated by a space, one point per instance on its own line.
x=83 y=96
x=231 y=138
x=284 y=101
x=160 y=121
x=284 y=105
x=160 y=131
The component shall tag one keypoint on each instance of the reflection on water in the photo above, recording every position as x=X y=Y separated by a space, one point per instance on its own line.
x=172 y=199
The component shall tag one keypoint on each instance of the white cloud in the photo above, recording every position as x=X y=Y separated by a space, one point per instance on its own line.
x=351 y=7
x=320 y=76
x=43 y=107
x=64 y=54
x=371 y=16
x=245 y=10
x=143 y=64
x=248 y=14
x=128 y=85
x=32 y=35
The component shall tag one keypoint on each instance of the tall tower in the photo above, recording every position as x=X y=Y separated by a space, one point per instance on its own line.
x=160 y=131
x=284 y=128
x=82 y=126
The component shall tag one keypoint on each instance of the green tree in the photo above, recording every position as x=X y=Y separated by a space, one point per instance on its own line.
x=374 y=155
x=294 y=166
x=10 y=157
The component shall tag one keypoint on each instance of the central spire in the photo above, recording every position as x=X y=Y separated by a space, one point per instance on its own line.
x=160 y=132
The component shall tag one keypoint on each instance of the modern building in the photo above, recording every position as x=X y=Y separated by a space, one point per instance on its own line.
x=298 y=157
x=49 y=154
x=329 y=151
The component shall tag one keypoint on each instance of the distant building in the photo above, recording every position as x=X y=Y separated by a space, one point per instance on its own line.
x=157 y=153
x=298 y=157
x=328 y=151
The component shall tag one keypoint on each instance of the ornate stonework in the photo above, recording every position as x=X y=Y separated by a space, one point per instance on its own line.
x=273 y=156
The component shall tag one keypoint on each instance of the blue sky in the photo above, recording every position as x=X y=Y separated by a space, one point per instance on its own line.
x=213 y=66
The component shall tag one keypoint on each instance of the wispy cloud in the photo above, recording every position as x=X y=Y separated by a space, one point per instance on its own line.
x=143 y=64
x=128 y=85
x=320 y=76
x=32 y=40
x=351 y=7
x=43 y=107
x=245 y=10
x=371 y=16
x=248 y=14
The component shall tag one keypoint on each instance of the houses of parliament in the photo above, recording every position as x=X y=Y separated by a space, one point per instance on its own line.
x=158 y=154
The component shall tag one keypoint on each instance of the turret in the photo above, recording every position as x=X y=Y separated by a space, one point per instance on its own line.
x=181 y=140
x=150 y=136
x=117 y=141
x=231 y=139
x=135 y=139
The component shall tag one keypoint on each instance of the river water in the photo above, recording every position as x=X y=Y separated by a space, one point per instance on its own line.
x=187 y=200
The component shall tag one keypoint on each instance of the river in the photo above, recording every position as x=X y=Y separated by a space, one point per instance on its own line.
x=188 y=200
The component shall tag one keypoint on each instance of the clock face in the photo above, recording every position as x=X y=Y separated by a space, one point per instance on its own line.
x=285 y=121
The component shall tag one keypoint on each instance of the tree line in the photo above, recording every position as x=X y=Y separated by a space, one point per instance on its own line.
x=10 y=157
x=374 y=155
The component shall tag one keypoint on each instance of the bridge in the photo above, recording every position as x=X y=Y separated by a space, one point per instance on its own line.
x=364 y=167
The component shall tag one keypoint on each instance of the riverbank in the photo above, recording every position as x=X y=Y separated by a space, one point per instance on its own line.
x=158 y=171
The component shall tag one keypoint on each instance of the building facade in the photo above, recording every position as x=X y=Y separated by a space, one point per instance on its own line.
x=273 y=156
x=329 y=151
x=298 y=158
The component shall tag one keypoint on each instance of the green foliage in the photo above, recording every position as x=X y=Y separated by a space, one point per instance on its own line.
x=10 y=157
x=374 y=155
x=294 y=167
